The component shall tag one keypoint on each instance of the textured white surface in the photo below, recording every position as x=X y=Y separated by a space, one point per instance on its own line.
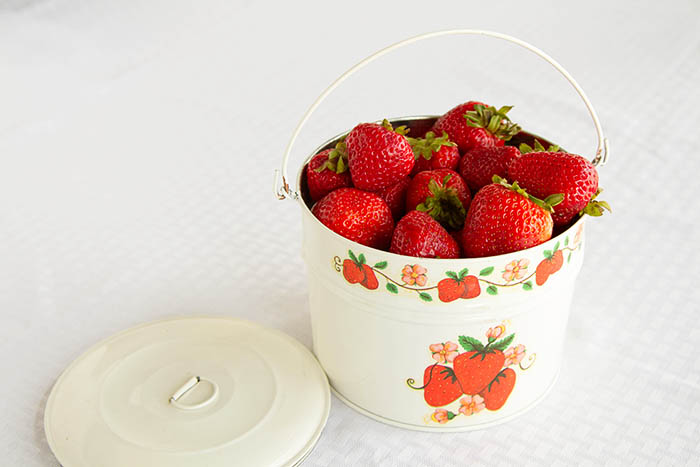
x=138 y=141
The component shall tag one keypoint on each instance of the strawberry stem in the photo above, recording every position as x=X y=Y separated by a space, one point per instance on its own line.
x=429 y=144
x=525 y=148
x=547 y=204
x=444 y=205
x=495 y=121
x=337 y=159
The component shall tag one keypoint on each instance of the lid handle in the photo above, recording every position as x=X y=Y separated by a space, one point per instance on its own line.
x=187 y=387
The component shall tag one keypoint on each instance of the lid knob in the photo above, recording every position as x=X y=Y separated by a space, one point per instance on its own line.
x=187 y=387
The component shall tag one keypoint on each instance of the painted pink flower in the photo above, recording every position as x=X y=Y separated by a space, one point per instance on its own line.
x=495 y=333
x=516 y=269
x=414 y=275
x=471 y=404
x=445 y=352
x=440 y=416
x=514 y=355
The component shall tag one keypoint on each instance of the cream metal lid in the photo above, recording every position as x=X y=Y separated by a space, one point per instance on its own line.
x=197 y=391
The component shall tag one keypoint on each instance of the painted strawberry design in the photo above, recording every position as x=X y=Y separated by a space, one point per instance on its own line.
x=379 y=155
x=552 y=262
x=480 y=364
x=474 y=370
x=497 y=392
x=356 y=270
x=370 y=280
x=353 y=272
x=440 y=385
x=457 y=286
x=482 y=373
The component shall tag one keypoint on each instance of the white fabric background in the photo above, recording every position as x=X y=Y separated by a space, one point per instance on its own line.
x=138 y=141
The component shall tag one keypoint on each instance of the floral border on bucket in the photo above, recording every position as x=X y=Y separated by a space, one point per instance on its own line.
x=462 y=284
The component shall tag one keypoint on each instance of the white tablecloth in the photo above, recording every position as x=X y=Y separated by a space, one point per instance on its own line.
x=138 y=141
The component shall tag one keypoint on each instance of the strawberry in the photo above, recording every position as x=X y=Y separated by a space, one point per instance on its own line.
x=395 y=197
x=378 y=155
x=479 y=165
x=434 y=152
x=356 y=215
x=475 y=124
x=551 y=263
x=441 y=193
x=356 y=270
x=450 y=290
x=543 y=173
x=497 y=392
x=419 y=235
x=352 y=272
x=440 y=385
x=327 y=171
x=370 y=281
x=474 y=370
x=504 y=218
x=458 y=286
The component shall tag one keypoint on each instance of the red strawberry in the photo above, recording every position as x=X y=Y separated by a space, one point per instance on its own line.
x=450 y=290
x=542 y=272
x=370 y=280
x=504 y=218
x=545 y=173
x=352 y=272
x=557 y=260
x=471 y=287
x=378 y=155
x=395 y=197
x=474 y=124
x=356 y=215
x=327 y=171
x=475 y=370
x=419 y=235
x=458 y=286
x=440 y=385
x=441 y=193
x=479 y=165
x=497 y=392
x=548 y=266
x=434 y=152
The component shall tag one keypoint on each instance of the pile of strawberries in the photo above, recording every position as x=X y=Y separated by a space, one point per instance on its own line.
x=446 y=194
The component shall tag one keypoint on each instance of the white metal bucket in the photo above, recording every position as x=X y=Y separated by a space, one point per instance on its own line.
x=485 y=334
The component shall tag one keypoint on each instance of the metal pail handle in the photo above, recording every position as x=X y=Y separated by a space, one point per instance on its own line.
x=282 y=187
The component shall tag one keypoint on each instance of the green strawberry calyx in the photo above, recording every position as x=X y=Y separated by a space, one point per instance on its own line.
x=429 y=144
x=470 y=344
x=337 y=159
x=547 y=204
x=525 y=148
x=493 y=120
x=401 y=130
x=444 y=205
x=595 y=207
